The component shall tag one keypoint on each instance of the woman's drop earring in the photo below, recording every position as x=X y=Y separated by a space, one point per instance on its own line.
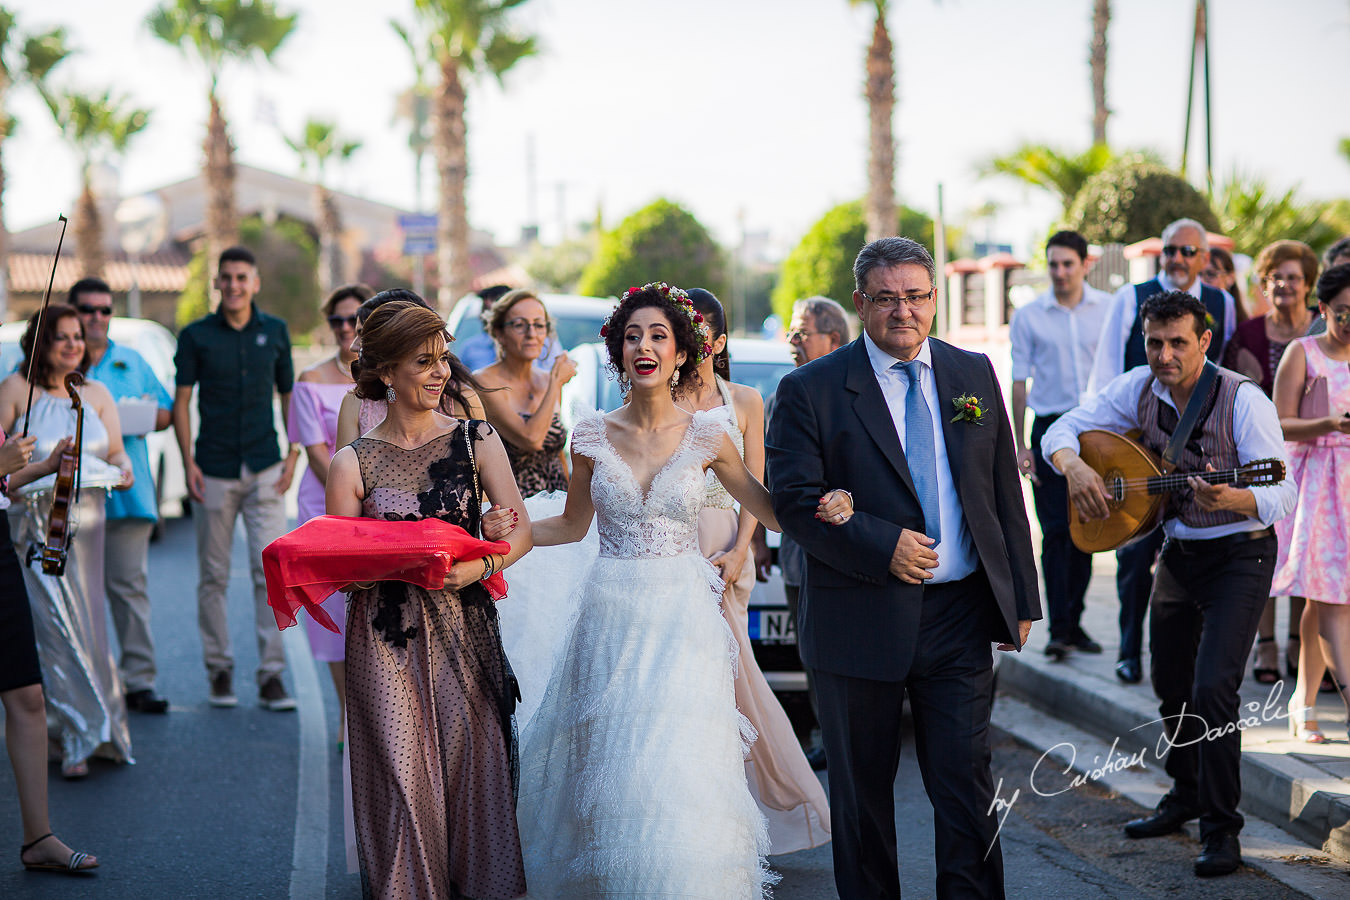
x=389 y=395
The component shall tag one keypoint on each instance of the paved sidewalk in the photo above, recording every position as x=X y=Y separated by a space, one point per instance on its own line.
x=1303 y=788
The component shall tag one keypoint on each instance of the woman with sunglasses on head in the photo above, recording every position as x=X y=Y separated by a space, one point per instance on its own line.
x=786 y=789
x=312 y=424
x=1312 y=395
x=1287 y=271
x=85 y=699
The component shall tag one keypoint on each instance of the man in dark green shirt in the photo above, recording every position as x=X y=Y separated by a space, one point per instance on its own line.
x=235 y=357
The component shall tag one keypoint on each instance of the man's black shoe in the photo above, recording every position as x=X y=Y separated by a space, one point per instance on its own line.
x=1127 y=670
x=147 y=701
x=1057 y=650
x=1169 y=817
x=1222 y=855
x=816 y=758
x=1084 y=644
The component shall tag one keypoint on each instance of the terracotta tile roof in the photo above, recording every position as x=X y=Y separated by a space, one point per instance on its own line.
x=163 y=272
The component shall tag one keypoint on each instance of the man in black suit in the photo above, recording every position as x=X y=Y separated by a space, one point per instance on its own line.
x=906 y=596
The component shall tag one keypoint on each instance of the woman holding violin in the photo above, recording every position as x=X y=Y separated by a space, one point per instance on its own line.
x=56 y=523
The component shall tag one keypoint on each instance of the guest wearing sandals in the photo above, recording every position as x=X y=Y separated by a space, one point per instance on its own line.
x=21 y=694
x=1286 y=271
x=1312 y=395
x=521 y=402
x=783 y=784
x=358 y=416
x=315 y=401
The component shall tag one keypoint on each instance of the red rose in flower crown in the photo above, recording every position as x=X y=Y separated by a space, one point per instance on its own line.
x=682 y=302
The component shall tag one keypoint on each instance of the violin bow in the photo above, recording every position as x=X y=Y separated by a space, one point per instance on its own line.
x=37 y=331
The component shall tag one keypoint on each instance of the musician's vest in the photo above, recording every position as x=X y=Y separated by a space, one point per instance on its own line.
x=1214 y=304
x=1211 y=442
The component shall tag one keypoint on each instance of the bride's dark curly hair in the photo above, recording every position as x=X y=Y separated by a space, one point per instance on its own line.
x=690 y=335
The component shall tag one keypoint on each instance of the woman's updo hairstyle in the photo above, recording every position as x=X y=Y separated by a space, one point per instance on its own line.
x=395 y=331
x=686 y=325
x=715 y=318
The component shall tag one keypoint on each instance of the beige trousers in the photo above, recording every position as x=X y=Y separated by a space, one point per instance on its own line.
x=254 y=496
x=126 y=546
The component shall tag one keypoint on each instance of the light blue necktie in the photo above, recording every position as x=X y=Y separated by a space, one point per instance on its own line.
x=920 y=450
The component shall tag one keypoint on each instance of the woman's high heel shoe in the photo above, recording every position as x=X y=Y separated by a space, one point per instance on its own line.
x=1299 y=729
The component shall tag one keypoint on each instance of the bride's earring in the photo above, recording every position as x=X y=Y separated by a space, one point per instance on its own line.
x=675 y=384
x=389 y=395
x=625 y=385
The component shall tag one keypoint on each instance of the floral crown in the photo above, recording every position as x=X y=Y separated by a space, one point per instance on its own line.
x=682 y=303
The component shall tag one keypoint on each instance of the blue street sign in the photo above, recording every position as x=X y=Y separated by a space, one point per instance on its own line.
x=419 y=234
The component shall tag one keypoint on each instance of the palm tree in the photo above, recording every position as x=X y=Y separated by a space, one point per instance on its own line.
x=98 y=127
x=1101 y=21
x=24 y=59
x=318 y=145
x=467 y=38
x=1060 y=173
x=880 y=92
x=216 y=32
x=414 y=105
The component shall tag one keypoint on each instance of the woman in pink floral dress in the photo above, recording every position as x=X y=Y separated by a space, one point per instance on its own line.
x=1315 y=540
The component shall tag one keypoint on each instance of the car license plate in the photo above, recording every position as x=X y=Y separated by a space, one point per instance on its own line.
x=772 y=626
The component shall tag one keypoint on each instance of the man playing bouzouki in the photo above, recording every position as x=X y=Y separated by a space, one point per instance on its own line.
x=1214 y=573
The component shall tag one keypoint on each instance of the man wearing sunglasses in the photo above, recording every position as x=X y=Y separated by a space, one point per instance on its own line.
x=1120 y=348
x=131 y=514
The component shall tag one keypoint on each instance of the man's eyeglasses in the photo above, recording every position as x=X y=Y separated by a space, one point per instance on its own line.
x=87 y=310
x=796 y=337
x=891 y=301
x=1186 y=250
x=336 y=322
x=521 y=326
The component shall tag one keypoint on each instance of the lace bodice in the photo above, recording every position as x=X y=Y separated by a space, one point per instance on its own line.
x=665 y=521
x=718 y=498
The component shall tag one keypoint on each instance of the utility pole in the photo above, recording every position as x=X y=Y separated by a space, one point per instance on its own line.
x=1200 y=54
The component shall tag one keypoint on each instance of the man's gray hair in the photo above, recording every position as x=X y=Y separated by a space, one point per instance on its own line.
x=1179 y=224
x=827 y=316
x=892 y=251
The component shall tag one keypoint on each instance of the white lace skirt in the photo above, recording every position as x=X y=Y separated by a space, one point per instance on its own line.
x=632 y=775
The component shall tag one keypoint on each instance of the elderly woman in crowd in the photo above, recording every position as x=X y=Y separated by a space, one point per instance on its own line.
x=1286 y=271
x=1312 y=394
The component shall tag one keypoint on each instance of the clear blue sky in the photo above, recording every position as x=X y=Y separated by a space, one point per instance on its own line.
x=728 y=106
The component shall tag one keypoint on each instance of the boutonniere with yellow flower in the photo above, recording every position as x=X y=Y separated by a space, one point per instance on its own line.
x=969 y=408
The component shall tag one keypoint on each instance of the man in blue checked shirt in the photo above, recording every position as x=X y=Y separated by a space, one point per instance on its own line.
x=131 y=514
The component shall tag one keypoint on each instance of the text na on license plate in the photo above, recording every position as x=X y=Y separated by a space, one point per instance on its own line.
x=772 y=626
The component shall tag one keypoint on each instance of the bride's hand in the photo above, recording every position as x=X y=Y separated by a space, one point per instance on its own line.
x=729 y=563
x=498 y=522
x=464 y=573
x=835 y=508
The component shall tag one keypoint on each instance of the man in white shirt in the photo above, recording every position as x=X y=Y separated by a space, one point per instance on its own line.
x=1185 y=254
x=1053 y=341
x=1215 y=569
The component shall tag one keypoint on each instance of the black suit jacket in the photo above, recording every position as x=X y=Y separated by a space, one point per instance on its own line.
x=831 y=428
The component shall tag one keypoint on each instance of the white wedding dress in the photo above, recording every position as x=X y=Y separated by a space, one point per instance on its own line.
x=632 y=774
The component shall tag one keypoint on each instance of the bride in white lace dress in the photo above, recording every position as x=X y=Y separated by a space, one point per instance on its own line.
x=632 y=776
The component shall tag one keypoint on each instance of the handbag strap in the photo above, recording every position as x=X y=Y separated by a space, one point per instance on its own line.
x=1191 y=416
x=469 y=424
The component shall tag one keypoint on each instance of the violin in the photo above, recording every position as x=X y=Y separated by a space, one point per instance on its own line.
x=65 y=494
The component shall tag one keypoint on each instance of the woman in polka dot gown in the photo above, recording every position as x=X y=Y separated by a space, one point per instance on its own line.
x=430 y=693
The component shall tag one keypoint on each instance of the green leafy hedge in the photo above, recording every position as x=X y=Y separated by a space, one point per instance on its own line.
x=660 y=242
x=1135 y=199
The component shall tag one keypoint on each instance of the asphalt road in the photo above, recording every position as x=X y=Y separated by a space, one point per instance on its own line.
x=246 y=803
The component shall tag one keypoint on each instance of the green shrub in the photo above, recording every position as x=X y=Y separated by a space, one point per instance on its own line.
x=660 y=242
x=1135 y=199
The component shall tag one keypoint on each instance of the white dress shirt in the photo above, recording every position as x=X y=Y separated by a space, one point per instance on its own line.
x=1110 y=359
x=1256 y=431
x=956 y=552
x=1053 y=347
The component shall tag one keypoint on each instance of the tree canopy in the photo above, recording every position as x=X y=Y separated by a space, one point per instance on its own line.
x=1135 y=199
x=660 y=242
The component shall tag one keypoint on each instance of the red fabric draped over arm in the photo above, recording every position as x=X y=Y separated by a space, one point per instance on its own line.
x=306 y=566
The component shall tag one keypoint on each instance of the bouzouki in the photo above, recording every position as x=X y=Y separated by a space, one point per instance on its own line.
x=1137 y=483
